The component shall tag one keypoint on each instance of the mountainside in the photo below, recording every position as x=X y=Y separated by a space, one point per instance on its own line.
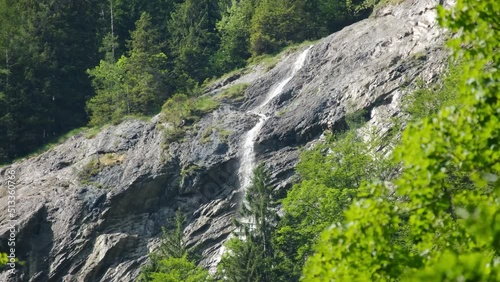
x=92 y=208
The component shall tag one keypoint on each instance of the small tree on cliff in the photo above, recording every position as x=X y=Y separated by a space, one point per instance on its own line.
x=171 y=263
x=250 y=257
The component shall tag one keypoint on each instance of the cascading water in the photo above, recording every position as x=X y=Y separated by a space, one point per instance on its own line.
x=248 y=156
x=247 y=163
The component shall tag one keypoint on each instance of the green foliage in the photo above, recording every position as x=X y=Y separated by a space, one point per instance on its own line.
x=173 y=244
x=428 y=100
x=178 y=270
x=3 y=259
x=127 y=12
x=170 y=263
x=90 y=170
x=223 y=134
x=359 y=6
x=111 y=101
x=235 y=92
x=275 y=24
x=245 y=261
x=97 y=165
x=454 y=229
x=356 y=119
x=133 y=84
x=174 y=134
x=235 y=35
x=204 y=105
x=250 y=257
x=44 y=49
x=176 y=109
x=181 y=109
x=192 y=41
x=330 y=175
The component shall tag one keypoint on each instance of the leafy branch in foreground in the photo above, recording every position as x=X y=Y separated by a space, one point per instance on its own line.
x=455 y=230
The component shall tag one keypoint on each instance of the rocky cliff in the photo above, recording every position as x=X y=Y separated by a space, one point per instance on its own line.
x=92 y=208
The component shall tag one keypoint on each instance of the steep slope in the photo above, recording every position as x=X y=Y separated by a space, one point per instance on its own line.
x=90 y=209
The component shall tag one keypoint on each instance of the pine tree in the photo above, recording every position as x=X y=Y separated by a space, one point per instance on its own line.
x=145 y=68
x=134 y=84
x=277 y=23
x=234 y=29
x=250 y=257
x=170 y=263
x=173 y=244
x=46 y=48
x=193 y=40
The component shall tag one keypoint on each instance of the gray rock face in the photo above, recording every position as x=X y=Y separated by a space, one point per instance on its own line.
x=91 y=209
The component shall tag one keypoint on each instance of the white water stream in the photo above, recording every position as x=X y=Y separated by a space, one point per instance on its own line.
x=247 y=163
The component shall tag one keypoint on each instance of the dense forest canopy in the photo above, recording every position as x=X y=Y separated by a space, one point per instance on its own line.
x=64 y=64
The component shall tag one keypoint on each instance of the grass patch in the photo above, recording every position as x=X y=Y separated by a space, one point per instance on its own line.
x=90 y=170
x=223 y=133
x=182 y=111
x=280 y=113
x=204 y=105
x=210 y=81
x=235 y=92
x=207 y=134
x=92 y=132
x=136 y=117
x=97 y=165
x=174 y=134
x=269 y=61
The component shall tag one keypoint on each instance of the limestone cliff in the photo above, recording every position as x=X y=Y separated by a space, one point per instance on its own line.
x=92 y=208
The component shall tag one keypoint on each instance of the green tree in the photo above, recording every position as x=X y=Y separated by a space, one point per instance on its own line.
x=173 y=244
x=193 y=41
x=250 y=257
x=146 y=72
x=178 y=270
x=330 y=174
x=277 y=23
x=333 y=15
x=127 y=12
x=135 y=83
x=170 y=263
x=455 y=232
x=45 y=49
x=111 y=99
x=234 y=30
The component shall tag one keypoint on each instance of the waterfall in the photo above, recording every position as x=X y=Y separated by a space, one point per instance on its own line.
x=247 y=163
